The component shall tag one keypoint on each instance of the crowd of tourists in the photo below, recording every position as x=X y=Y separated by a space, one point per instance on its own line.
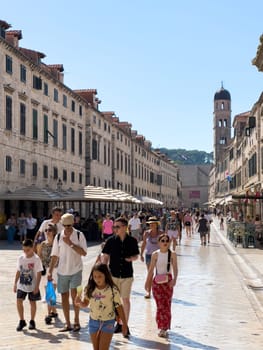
x=55 y=254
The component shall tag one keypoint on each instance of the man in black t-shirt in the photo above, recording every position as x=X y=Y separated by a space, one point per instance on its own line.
x=119 y=252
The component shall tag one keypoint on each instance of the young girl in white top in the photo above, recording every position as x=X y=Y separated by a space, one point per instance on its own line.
x=164 y=261
x=103 y=298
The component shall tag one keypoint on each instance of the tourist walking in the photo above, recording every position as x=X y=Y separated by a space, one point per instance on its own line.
x=31 y=225
x=164 y=263
x=119 y=252
x=202 y=228
x=103 y=298
x=134 y=226
x=27 y=280
x=173 y=228
x=68 y=248
x=188 y=224
x=41 y=233
x=11 y=226
x=45 y=256
x=22 y=227
x=107 y=230
x=150 y=245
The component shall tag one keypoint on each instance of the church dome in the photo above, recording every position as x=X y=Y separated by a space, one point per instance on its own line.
x=222 y=94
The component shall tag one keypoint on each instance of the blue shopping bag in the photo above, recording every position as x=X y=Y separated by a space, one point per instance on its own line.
x=51 y=298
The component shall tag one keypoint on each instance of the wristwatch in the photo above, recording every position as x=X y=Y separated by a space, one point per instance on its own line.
x=72 y=246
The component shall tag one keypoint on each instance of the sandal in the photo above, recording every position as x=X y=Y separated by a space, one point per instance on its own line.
x=76 y=327
x=66 y=329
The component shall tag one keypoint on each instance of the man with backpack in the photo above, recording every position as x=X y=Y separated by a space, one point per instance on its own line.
x=68 y=248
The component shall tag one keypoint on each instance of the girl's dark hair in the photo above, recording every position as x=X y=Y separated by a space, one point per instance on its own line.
x=163 y=235
x=103 y=268
x=53 y=228
x=28 y=243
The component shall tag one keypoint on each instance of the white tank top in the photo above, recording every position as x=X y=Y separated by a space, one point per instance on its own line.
x=162 y=261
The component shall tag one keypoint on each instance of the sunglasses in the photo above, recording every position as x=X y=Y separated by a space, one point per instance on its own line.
x=164 y=240
x=116 y=227
x=48 y=229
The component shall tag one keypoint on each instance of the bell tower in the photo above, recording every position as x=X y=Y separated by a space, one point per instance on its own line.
x=222 y=122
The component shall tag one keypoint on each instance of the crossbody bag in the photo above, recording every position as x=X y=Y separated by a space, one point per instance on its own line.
x=163 y=277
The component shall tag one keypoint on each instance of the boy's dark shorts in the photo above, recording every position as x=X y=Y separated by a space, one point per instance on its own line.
x=31 y=296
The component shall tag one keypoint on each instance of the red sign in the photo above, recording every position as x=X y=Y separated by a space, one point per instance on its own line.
x=194 y=194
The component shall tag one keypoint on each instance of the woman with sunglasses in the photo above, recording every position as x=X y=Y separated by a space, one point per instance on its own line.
x=45 y=256
x=164 y=262
x=150 y=244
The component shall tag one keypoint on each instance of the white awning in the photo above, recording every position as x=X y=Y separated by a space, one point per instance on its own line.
x=148 y=200
x=100 y=194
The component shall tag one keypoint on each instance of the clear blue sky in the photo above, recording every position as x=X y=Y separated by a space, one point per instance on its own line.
x=156 y=63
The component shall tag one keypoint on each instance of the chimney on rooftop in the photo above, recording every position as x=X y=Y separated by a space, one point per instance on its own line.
x=13 y=37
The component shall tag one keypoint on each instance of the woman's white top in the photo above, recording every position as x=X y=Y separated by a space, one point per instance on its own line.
x=162 y=261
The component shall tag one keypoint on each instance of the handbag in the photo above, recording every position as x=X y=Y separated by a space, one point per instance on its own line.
x=163 y=277
x=51 y=298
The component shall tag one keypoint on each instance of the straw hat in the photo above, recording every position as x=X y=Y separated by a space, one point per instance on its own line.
x=152 y=219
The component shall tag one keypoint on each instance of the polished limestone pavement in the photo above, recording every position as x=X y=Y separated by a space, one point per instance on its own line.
x=213 y=307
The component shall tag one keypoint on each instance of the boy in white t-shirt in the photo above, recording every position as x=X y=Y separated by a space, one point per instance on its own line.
x=27 y=280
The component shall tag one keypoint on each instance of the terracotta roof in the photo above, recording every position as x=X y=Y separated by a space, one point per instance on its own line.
x=32 y=55
x=4 y=24
x=17 y=33
x=58 y=67
x=88 y=95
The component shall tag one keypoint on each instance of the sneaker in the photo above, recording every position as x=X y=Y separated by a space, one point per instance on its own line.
x=48 y=319
x=32 y=324
x=21 y=325
x=128 y=334
x=118 y=328
x=162 y=333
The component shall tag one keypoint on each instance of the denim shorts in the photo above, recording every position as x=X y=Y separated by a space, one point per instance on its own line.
x=148 y=258
x=65 y=283
x=103 y=326
x=20 y=294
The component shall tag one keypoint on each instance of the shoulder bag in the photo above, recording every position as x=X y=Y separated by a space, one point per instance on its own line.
x=163 y=277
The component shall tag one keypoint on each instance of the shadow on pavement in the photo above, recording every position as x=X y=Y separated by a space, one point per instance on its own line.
x=176 y=340
x=182 y=302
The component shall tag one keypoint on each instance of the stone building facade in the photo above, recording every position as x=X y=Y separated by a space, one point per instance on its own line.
x=57 y=138
x=237 y=175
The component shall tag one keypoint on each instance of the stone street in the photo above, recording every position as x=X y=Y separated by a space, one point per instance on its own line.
x=212 y=308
